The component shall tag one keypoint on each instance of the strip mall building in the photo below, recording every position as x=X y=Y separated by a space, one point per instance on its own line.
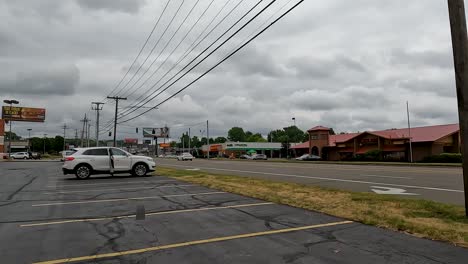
x=393 y=143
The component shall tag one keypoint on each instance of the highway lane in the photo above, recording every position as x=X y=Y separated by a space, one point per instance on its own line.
x=443 y=184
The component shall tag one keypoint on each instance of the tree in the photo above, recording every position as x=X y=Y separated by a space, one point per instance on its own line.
x=294 y=134
x=173 y=144
x=236 y=134
x=13 y=136
x=257 y=137
x=220 y=140
x=196 y=143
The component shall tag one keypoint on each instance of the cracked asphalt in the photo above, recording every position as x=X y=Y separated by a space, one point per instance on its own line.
x=50 y=218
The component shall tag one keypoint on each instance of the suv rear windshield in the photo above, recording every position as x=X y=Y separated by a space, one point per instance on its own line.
x=96 y=152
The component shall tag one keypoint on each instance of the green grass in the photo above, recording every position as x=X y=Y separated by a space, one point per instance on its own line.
x=420 y=218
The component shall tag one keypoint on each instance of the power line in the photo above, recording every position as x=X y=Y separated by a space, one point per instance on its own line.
x=173 y=50
x=187 y=53
x=142 y=48
x=154 y=47
x=201 y=53
x=216 y=65
x=190 y=49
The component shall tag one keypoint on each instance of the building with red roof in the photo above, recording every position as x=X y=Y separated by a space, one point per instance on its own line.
x=393 y=144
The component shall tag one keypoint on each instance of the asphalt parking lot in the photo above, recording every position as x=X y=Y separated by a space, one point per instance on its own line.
x=50 y=218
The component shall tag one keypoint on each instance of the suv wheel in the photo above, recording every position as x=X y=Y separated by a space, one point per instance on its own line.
x=83 y=171
x=139 y=170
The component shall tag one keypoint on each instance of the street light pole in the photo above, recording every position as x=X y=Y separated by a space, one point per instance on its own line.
x=294 y=119
x=29 y=138
x=10 y=102
x=45 y=135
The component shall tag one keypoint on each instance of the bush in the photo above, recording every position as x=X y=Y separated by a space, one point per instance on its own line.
x=372 y=155
x=444 y=158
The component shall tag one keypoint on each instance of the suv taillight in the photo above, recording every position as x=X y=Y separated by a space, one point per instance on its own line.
x=69 y=158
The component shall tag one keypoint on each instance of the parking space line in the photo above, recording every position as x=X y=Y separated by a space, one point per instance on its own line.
x=119 y=189
x=109 y=183
x=326 y=179
x=126 y=199
x=148 y=214
x=190 y=243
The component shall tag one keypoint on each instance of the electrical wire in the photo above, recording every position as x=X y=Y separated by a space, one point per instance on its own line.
x=220 y=62
x=187 y=52
x=172 y=52
x=154 y=47
x=142 y=48
x=219 y=46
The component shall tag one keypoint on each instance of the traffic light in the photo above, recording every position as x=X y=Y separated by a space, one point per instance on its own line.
x=137 y=130
x=110 y=134
x=154 y=131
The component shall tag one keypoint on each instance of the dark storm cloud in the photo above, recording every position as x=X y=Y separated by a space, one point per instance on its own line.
x=46 y=82
x=112 y=5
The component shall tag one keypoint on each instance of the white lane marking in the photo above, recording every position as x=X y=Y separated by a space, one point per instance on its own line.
x=127 y=199
x=119 y=189
x=194 y=169
x=330 y=179
x=388 y=190
x=382 y=176
x=110 y=183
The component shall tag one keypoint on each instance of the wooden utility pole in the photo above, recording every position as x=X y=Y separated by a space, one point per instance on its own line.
x=84 y=120
x=460 y=58
x=116 y=98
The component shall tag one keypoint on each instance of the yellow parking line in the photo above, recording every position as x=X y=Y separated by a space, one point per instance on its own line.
x=126 y=199
x=119 y=189
x=189 y=243
x=148 y=214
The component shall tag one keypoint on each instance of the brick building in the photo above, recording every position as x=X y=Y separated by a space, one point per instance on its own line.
x=393 y=143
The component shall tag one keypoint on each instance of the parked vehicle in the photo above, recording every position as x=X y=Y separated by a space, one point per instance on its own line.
x=306 y=157
x=104 y=160
x=245 y=156
x=20 y=155
x=185 y=156
x=35 y=155
x=259 y=157
x=66 y=153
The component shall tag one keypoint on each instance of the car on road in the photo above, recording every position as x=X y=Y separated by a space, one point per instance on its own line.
x=245 y=156
x=20 y=155
x=185 y=156
x=259 y=157
x=106 y=160
x=309 y=157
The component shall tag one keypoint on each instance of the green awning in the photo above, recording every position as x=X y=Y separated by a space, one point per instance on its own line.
x=251 y=151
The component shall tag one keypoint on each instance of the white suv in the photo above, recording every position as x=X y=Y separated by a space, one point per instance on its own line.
x=20 y=155
x=102 y=160
x=185 y=156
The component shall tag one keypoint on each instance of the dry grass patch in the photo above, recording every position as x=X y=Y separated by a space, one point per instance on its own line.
x=421 y=218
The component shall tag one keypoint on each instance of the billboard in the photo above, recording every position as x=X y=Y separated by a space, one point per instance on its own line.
x=159 y=132
x=26 y=114
x=131 y=140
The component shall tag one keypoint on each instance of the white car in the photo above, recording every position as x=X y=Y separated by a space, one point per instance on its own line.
x=185 y=156
x=106 y=160
x=20 y=155
x=66 y=153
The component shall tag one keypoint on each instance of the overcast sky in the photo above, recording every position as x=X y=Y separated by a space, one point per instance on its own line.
x=350 y=65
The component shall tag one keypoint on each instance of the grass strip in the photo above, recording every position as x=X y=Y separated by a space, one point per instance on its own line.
x=421 y=218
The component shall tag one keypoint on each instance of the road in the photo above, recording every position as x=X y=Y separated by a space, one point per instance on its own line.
x=50 y=218
x=443 y=184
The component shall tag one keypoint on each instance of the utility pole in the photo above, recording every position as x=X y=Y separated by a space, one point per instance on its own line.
x=64 y=135
x=29 y=139
x=83 y=131
x=116 y=98
x=189 y=140
x=45 y=136
x=460 y=58
x=76 y=137
x=87 y=133
x=208 y=139
x=409 y=134
x=97 y=106
x=183 y=142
